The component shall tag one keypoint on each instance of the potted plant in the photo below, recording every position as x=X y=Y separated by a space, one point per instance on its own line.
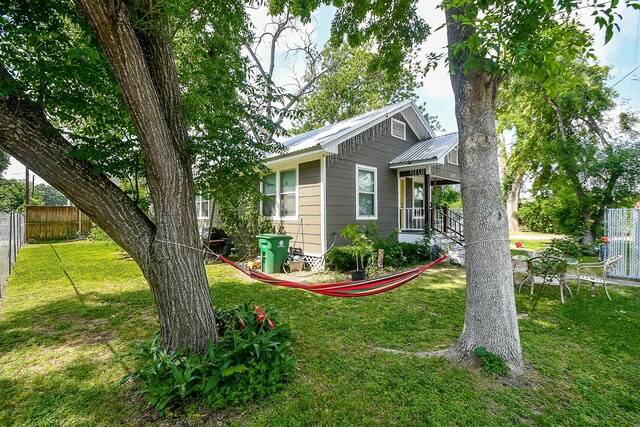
x=362 y=248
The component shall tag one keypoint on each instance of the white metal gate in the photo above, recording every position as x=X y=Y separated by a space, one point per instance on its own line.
x=622 y=227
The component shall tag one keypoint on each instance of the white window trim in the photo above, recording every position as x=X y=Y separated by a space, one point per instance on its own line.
x=277 y=195
x=404 y=129
x=375 y=193
x=199 y=201
x=263 y=195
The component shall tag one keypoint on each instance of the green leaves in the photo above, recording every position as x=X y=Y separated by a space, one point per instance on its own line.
x=352 y=84
x=491 y=363
x=251 y=361
x=577 y=168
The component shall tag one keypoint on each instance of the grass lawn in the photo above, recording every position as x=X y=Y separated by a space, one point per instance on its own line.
x=61 y=348
x=531 y=241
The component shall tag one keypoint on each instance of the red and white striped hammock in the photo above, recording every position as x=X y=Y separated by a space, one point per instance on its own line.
x=359 y=288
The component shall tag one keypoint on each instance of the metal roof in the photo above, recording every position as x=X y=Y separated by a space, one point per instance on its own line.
x=428 y=151
x=338 y=132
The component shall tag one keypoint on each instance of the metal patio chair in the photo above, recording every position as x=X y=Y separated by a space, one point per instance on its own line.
x=596 y=273
x=546 y=270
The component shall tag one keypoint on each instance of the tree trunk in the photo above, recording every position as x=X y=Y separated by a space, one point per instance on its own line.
x=175 y=274
x=490 y=317
x=167 y=250
x=144 y=67
x=513 y=200
x=587 y=235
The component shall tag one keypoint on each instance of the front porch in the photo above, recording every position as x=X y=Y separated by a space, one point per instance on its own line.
x=448 y=222
x=429 y=163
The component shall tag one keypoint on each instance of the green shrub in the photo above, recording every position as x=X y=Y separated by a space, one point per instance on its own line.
x=491 y=363
x=398 y=254
x=98 y=234
x=251 y=361
x=342 y=259
x=537 y=215
x=571 y=247
x=243 y=222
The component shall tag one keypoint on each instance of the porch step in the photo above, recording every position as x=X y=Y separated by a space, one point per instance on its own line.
x=455 y=251
x=456 y=255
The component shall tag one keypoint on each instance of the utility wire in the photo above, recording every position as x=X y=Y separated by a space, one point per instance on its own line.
x=627 y=75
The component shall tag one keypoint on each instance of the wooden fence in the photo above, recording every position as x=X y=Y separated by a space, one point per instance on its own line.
x=55 y=222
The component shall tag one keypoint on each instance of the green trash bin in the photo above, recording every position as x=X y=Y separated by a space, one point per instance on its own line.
x=273 y=251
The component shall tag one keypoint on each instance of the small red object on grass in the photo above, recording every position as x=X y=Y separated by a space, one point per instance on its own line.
x=518 y=244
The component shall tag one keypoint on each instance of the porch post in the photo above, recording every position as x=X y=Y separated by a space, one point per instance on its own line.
x=427 y=199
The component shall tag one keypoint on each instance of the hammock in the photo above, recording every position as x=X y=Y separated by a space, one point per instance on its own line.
x=359 y=288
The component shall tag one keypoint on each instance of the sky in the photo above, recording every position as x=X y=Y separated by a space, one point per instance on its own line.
x=621 y=53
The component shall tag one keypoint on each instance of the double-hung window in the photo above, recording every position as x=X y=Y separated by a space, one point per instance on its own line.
x=287 y=199
x=202 y=207
x=452 y=157
x=279 y=191
x=269 y=191
x=366 y=192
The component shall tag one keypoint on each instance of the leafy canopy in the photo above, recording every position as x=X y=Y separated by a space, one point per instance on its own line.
x=349 y=86
x=581 y=154
x=54 y=59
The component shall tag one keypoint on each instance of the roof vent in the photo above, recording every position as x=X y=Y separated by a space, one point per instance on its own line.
x=398 y=129
x=452 y=157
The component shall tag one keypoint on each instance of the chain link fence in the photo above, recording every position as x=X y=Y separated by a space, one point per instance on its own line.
x=622 y=227
x=11 y=239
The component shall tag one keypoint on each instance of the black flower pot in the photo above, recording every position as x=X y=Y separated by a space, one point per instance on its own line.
x=358 y=275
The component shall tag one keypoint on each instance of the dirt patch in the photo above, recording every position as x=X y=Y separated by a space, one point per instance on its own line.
x=198 y=415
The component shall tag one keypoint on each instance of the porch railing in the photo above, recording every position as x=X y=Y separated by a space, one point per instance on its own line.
x=449 y=223
x=412 y=219
x=444 y=221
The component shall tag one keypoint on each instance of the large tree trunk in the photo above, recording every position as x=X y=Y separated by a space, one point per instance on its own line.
x=175 y=274
x=490 y=318
x=513 y=200
x=144 y=67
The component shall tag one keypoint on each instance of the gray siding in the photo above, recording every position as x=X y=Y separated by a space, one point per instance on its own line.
x=309 y=173
x=309 y=210
x=341 y=185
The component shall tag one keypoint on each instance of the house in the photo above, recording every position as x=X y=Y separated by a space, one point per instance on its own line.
x=379 y=166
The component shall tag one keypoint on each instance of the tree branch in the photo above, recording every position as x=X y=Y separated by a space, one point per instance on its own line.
x=595 y=127
x=47 y=154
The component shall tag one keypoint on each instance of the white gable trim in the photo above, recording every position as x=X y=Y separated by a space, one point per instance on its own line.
x=419 y=126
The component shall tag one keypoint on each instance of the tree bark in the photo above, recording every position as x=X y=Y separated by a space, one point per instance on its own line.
x=144 y=67
x=490 y=317
x=513 y=200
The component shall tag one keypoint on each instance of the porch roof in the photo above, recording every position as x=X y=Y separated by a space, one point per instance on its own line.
x=429 y=151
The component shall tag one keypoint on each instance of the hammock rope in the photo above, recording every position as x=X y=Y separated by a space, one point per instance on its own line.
x=359 y=288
